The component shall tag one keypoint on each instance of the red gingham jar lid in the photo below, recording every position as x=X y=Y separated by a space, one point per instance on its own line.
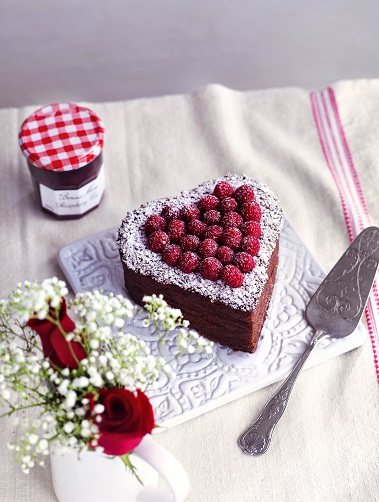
x=62 y=137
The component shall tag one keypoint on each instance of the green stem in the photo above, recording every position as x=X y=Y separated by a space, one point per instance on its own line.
x=7 y=327
x=31 y=389
x=128 y=464
x=14 y=410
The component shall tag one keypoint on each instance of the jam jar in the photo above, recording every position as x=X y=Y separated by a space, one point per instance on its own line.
x=63 y=146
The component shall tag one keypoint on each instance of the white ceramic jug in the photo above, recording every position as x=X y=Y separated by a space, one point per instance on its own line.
x=98 y=478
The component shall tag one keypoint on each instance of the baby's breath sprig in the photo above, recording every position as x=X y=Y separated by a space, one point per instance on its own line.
x=102 y=309
x=167 y=319
x=35 y=299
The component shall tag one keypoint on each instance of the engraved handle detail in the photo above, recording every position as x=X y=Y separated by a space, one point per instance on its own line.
x=257 y=438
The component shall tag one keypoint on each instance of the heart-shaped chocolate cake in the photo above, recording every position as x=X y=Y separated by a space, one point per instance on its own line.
x=212 y=252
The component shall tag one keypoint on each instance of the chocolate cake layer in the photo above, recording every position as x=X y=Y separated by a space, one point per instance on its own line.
x=235 y=328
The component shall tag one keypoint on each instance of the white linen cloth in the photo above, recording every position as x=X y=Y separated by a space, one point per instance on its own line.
x=326 y=446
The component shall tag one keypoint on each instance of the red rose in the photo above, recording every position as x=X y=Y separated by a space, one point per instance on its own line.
x=126 y=419
x=62 y=353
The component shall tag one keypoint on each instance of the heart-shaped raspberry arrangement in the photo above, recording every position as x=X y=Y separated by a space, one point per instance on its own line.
x=217 y=237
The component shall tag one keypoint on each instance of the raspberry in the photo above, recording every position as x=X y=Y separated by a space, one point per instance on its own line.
x=188 y=262
x=232 y=276
x=208 y=202
x=191 y=212
x=158 y=241
x=250 y=244
x=196 y=227
x=212 y=217
x=251 y=211
x=154 y=223
x=243 y=194
x=210 y=268
x=208 y=248
x=244 y=261
x=231 y=219
x=232 y=237
x=214 y=232
x=251 y=228
x=223 y=189
x=189 y=242
x=175 y=229
x=225 y=255
x=228 y=204
x=171 y=254
x=170 y=213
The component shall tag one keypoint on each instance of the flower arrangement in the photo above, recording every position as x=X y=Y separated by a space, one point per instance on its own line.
x=84 y=372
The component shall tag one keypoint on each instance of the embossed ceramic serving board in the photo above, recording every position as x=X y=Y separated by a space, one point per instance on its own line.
x=203 y=383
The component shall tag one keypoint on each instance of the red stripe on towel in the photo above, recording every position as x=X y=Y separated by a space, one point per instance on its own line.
x=346 y=177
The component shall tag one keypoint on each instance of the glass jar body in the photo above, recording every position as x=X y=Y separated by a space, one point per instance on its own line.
x=69 y=194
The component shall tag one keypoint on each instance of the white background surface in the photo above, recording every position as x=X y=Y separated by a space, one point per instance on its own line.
x=98 y=50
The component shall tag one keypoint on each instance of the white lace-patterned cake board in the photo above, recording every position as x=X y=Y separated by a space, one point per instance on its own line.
x=203 y=383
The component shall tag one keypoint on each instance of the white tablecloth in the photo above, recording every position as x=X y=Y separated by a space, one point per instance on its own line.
x=326 y=446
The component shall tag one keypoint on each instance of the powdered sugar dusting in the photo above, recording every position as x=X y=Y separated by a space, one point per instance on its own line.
x=132 y=244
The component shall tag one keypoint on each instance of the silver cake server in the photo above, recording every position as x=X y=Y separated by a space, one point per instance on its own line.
x=334 y=310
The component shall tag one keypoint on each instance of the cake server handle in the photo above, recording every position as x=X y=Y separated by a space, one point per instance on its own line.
x=257 y=438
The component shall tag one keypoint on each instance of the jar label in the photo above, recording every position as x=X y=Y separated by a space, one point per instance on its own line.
x=73 y=202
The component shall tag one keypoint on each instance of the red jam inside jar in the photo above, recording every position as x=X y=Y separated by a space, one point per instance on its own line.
x=63 y=145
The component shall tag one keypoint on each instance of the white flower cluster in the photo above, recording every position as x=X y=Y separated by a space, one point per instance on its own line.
x=125 y=361
x=33 y=446
x=166 y=318
x=22 y=369
x=17 y=372
x=12 y=360
x=115 y=357
x=97 y=309
x=161 y=314
x=34 y=299
x=189 y=341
